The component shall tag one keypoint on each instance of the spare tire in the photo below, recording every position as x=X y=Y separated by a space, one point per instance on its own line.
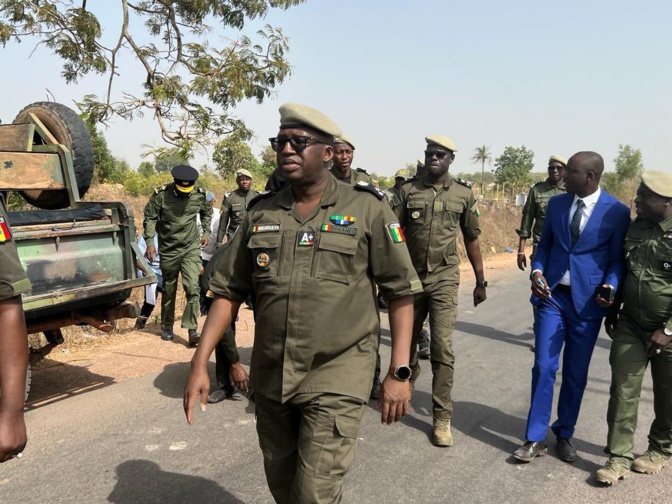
x=68 y=129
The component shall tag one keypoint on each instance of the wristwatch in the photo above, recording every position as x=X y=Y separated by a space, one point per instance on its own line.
x=667 y=331
x=401 y=373
x=484 y=283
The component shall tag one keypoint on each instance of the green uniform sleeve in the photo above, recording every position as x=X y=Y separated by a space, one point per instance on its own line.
x=525 y=230
x=399 y=208
x=233 y=275
x=206 y=217
x=223 y=220
x=152 y=211
x=469 y=218
x=389 y=259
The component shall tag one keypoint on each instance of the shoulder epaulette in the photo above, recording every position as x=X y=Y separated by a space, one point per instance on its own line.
x=370 y=188
x=202 y=191
x=258 y=198
x=361 y=170
x=463 y=182
x=160 y=188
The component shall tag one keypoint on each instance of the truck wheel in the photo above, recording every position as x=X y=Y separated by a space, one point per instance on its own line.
x=68 y=129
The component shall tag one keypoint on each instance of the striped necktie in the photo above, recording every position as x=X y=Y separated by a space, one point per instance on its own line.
x=575 y=225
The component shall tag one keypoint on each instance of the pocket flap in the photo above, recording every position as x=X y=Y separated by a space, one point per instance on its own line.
x=264 y=241
x=347 y=427
x=338 y=243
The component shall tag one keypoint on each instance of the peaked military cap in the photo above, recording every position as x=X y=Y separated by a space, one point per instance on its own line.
x=184 y=175
x=295 y=115
x=401 y=174
x=441 y=141
x=346 y=140
x=659 y=182
x=559 y=159
x=243 y=173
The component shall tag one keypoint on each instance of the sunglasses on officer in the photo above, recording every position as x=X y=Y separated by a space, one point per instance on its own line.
x=298 y=143
x=440 y=154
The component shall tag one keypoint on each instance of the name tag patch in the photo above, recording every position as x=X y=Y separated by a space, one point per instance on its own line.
x=5 y=233
x=328 y=228
x=306 y=239
x=270 y=228
x=395 y=232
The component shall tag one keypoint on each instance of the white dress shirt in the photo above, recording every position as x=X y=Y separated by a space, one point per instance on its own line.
x=589 y=202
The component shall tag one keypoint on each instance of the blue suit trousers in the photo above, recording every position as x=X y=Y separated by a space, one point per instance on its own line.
x=558 y=324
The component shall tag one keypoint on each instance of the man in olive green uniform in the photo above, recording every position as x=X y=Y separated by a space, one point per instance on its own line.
x=642 y=335
x=534 y=211
x=171 y=211
x=13 y=344
x=344 y=152
x=313 y=254
x=234 y=206
x=433 y=209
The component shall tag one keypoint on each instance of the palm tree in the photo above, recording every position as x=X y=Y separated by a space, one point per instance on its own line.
x=482 y=155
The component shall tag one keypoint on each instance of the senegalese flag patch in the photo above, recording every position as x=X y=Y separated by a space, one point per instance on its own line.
x=395 y=232
x=5 y=232
x=342 y=220
x=475 y=210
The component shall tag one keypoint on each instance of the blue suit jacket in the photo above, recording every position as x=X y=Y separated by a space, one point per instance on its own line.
x=597 y=257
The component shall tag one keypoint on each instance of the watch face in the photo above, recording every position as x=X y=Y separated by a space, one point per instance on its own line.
x=403 y=372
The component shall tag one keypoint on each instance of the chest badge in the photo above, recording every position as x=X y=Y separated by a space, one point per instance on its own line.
x=306 y=239
x=667 y=265
x=5 y=233
x=263 y=259
x=342 y=220
x=415 y=215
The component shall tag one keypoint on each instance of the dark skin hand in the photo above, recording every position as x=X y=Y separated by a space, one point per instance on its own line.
x=540 y=286
x=150 y=253
x=474 y=254
x=13 y=367
x=659 y=341
x=521 y=259
x=239 y=376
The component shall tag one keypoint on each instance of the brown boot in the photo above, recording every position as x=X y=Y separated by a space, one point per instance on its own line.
x=442 y=435
x=650 y=463
x=615 y=469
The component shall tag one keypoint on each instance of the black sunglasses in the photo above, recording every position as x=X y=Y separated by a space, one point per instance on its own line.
x=298 y=143
x=438 y=153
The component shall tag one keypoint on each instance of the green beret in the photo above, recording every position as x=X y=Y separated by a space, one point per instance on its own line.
x=342 y=139
x=441 y=141
x=401 y=174
x=295 y=115
x=243 y=173
x=559 y=159
x=659 y=182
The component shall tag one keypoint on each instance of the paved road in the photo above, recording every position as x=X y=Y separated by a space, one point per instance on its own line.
x=129 y=443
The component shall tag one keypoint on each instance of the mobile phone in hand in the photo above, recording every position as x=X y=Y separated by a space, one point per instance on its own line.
x=606 y=292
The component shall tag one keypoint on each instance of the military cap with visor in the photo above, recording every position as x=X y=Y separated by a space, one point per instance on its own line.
x=185 y=176
x=441 y=141
x=558 y=159
x=659 y=182
x=296 y=115
x=344 y=140
x=401 y=174
x=243 y=173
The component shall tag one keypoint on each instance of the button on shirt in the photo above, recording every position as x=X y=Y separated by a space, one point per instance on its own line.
x=589 y=202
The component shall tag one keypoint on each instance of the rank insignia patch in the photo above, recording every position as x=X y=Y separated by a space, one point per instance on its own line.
x=395 y=232
x=328 y=228
x=5 y=233
x=342 y=220
x=306 y=239
x=270 y=228
x=263 y=259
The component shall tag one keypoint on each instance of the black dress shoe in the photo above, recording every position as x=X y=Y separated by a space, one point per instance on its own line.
x=220 y=394
x=167 y=335
x=530 y=450
x=565 y=450
x=194 y=337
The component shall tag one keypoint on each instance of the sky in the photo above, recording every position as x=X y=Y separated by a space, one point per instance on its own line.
x=557 y=77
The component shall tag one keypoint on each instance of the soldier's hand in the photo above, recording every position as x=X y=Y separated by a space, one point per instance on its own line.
x=610 y=323
x=201 y=270
x=522 y=261
x=393 y=399
x=150 y=253
x=198 y=383
x=204 y=241
x=540 y=286
x=658 y=342
x=239 y=376
x=12 y=434
x=479 y=295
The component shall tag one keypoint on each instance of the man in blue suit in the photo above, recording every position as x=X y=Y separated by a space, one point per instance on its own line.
x=577 y=269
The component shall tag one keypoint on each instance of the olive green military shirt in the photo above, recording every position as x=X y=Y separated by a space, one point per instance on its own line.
x=433 y=218
x=534 y=210
x=647 y=289
x=234 y=209
x=317 y=328
x=173 y=216
x=13 y=279
x=356 y=175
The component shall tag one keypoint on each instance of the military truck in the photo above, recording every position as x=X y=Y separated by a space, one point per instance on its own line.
x=79 y=256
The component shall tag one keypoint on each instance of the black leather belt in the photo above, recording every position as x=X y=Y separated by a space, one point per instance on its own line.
x=567 y=289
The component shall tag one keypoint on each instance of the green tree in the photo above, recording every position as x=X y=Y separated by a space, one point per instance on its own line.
x=103 y=160
x=628 y=163
x=188 y=85
x=513 y=167
x=268 y=162
x=146 y=169
x=165 y=159
x=231 y=154
x=482 y=155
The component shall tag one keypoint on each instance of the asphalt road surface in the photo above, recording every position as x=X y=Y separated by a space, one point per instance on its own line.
x=129 y=442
